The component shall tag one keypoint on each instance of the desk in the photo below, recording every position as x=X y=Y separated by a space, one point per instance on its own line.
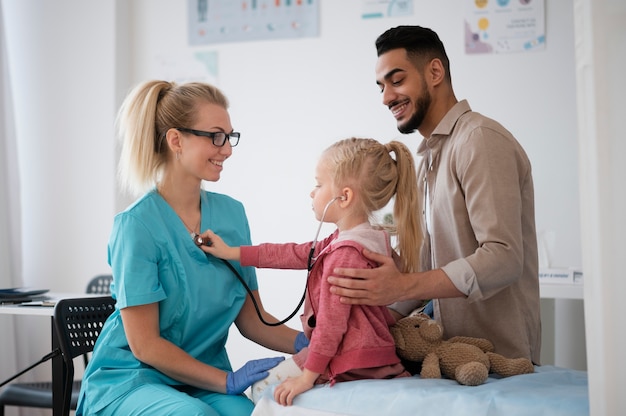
x=58 y=368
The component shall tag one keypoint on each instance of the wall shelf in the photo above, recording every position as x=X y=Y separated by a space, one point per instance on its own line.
x=561 y=291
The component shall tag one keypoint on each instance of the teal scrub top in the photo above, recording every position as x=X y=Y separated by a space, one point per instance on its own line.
x=153 y=259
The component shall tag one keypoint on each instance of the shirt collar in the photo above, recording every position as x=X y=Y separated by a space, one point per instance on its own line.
x=445 y=127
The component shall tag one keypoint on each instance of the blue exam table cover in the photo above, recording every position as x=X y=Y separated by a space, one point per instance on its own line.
x=549 y=391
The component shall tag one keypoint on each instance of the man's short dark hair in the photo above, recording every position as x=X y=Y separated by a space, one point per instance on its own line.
x=421 y=44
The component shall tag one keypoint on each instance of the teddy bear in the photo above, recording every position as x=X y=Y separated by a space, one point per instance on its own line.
x=464 y=359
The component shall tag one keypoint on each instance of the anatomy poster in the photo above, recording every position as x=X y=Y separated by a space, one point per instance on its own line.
x=218 y=21
x=504 y=26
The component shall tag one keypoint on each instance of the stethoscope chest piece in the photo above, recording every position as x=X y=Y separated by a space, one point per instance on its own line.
x=201 y=241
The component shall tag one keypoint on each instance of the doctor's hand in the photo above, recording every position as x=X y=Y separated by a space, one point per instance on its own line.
x=301 y=342
x=383 y=285
x=214 y=245
x=238 y=381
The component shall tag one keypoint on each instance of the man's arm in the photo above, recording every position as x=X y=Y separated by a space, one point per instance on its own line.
x=385 y=284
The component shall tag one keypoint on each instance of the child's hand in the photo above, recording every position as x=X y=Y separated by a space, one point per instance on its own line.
x=214 y=245
x=285 y=392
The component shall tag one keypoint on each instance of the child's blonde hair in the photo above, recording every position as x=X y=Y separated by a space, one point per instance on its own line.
x=148 y=112
x=366 y=165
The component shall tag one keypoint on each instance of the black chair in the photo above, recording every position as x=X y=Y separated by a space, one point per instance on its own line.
x=100 y=284
x=77 y=323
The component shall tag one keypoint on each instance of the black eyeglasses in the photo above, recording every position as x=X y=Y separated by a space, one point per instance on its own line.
x=218 y=137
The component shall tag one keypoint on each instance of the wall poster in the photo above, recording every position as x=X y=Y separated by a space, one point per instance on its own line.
x=182 y=67
x=218 y=21
x=503 y=26
x=371 y=9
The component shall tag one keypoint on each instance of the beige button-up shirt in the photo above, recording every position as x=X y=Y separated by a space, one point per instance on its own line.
x=479 y=184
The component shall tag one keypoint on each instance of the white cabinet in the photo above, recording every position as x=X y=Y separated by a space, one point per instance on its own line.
x=563 y=326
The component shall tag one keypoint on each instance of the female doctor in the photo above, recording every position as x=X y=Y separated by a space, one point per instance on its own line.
x=163 y=349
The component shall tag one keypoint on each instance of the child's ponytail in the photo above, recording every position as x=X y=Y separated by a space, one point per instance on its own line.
x=406 y=209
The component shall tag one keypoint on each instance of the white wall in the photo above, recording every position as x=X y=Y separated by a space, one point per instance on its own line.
x=61 y=59
x=72 y=60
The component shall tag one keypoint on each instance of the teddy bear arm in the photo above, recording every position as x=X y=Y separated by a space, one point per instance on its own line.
x=484 y=344
x=430 y=366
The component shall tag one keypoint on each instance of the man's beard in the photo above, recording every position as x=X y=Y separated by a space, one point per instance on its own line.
x=422 y=104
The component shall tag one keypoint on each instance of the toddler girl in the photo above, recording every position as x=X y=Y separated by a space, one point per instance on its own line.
x=355 y=177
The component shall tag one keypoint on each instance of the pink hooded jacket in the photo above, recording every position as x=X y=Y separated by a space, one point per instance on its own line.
x=345 y=337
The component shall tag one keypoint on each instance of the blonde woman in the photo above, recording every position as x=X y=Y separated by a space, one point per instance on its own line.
x=162 y=350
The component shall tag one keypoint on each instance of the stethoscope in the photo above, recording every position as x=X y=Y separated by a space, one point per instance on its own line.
x=309 y=265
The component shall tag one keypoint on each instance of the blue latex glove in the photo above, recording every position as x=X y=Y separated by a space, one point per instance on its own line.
x=301 y=342
x=252 y=371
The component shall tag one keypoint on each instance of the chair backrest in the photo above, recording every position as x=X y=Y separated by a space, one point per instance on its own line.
x=100 y=284
x=78 y=323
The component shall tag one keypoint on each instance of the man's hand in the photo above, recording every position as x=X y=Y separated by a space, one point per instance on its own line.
x=380 y=286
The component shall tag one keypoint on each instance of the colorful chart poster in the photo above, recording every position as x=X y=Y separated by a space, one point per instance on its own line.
x=372 y=9
x=503 y=26
x=218 y=21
